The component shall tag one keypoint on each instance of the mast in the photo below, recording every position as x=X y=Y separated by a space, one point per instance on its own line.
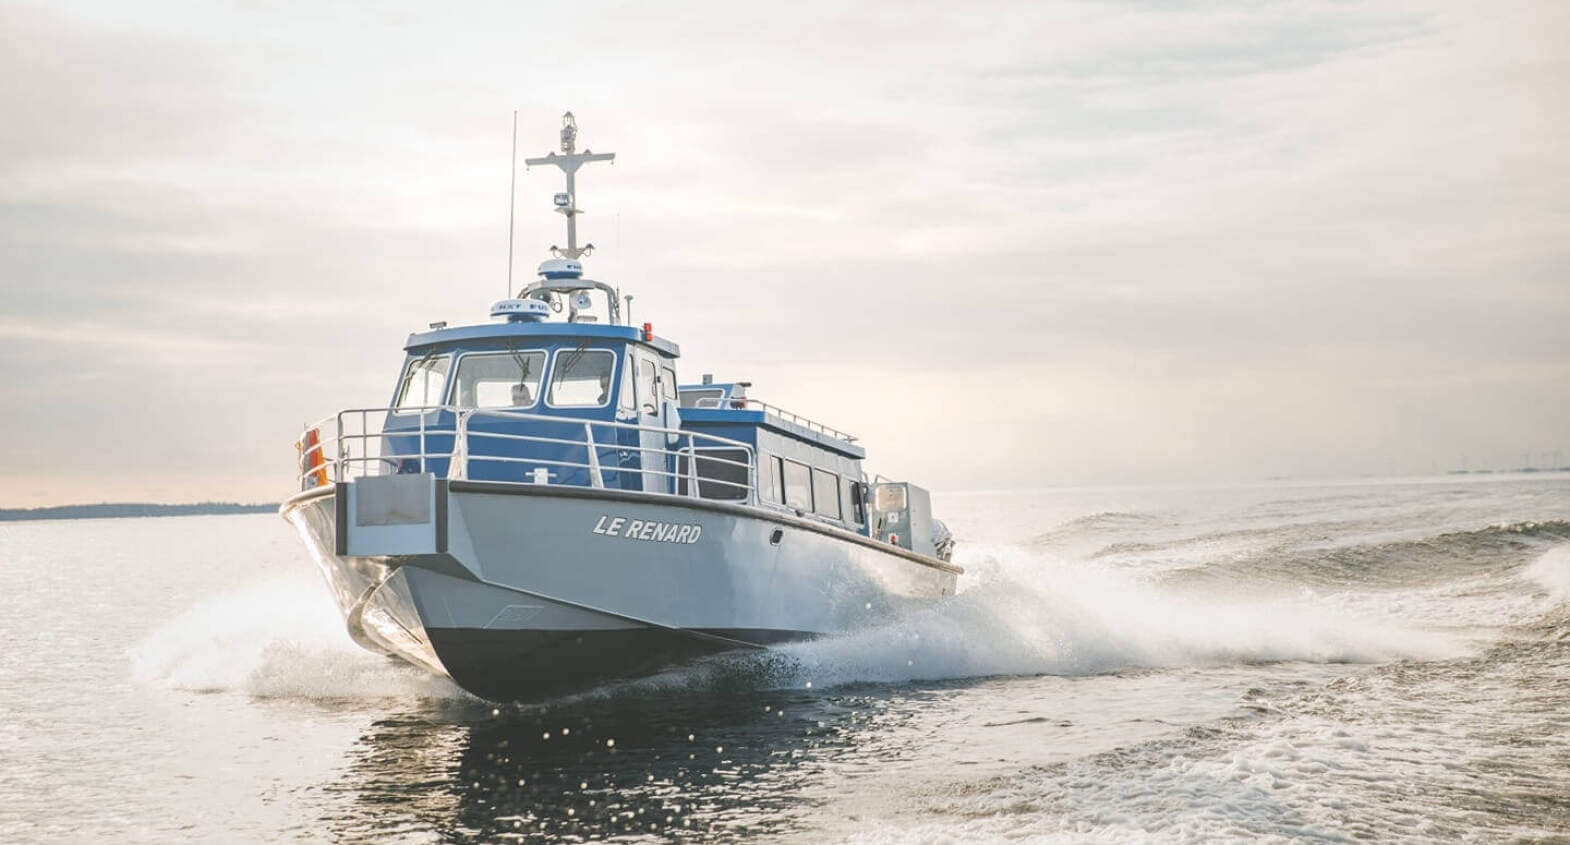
x=512 y=198
x=567 y=203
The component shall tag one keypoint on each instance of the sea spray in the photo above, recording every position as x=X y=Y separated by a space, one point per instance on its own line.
x=1021 y=612
x=1551 y=572
x=1028 y=615
x=278 y=638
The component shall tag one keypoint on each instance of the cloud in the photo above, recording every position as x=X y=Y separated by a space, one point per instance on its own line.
x=1251 y=239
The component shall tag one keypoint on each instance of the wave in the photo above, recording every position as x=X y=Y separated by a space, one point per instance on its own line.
x=1551 y=572
x=278 y=639
x=1031 y=616
x=1025 y=614
x=1409 y=562
x=1019 y=612
x=1090 y=525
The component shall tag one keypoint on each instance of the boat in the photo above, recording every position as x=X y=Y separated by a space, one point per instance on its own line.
x=544 y=506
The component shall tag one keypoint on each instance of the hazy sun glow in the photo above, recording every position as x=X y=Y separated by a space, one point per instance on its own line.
x=1007 y=244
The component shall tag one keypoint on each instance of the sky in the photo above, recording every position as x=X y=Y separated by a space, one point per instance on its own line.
x=1007 y=244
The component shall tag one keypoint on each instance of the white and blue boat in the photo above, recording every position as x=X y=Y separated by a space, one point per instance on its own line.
x=544 y=506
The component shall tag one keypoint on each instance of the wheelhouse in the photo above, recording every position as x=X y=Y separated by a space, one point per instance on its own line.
x=530 y=398
x=567 y=391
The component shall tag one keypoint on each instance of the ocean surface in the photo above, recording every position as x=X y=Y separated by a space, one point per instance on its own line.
x=1381 y=660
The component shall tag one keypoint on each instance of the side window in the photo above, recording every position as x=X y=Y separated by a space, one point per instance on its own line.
x=581 y=378
x=627 y=401
x=771 y=479
x=668 y=382
x=647 y=392
x=798 y=486
x=852 y=500
x=422 y=382
x=724 y=474
x=825 y=493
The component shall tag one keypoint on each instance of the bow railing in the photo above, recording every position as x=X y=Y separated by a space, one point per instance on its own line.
x=526 y=448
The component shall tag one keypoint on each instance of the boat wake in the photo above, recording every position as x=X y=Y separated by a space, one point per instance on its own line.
x=277 y=639
x=1021 y=614
x=1077 y=619
x=1019 y=611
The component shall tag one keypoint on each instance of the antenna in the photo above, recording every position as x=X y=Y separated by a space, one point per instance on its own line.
x=569 y=162
x=512 y=198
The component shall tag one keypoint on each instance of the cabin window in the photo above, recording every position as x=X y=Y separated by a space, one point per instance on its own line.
x=854 y=494
x=648 y=392
x=668 y=382
x=581 y=378
x=499 y=380
x=722 y=474
x=825 y=493
x=707 y=398
x=771 y=478
x=798 y=486
x=626 y=400
x=422 y=382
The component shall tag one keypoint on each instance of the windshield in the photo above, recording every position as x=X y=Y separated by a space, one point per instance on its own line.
x=581 y=378
x=422 y=382
x=499 y=379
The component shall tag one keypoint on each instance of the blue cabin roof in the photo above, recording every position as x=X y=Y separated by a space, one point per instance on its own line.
x=717 y=419
x=476 y=335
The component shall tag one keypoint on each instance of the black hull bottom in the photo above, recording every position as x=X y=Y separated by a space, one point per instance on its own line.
x=529 y=665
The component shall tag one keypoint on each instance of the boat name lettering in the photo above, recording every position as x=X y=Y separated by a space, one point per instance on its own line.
x=648 y=530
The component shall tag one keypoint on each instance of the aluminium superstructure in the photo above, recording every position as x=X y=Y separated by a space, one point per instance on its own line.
x=543 y=506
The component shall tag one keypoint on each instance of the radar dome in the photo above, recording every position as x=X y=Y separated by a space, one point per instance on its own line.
x=521 y=310
x=561 y=268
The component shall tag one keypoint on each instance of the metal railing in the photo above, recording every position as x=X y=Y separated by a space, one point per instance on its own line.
x=443 y=440
x=788 y=416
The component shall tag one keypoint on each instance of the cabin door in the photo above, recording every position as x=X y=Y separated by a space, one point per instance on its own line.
x=655 y=460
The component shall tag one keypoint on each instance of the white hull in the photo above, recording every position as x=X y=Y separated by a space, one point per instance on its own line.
x=521 y=591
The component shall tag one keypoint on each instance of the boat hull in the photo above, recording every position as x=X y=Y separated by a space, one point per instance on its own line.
x=522 y=592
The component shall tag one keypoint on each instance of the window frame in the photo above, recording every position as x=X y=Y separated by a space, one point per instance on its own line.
x=626 y=395
x=668 y=383
x=550 y=383
x=851 y=489
x=772 y=471
x=451 y=397
x=785 y=465
x=647 y=407
x=398 y=405
x=735 y=490
x=833 y=483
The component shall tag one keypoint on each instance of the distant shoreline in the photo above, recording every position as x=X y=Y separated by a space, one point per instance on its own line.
x=127 y=510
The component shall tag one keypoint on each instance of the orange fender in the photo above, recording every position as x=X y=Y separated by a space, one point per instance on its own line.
x=313 y=466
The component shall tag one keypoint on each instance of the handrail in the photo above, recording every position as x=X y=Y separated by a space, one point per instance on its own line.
x=743 y=403
x=527 y=415
x=352 y=433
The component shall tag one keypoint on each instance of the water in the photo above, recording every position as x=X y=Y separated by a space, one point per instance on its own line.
x=1386 y=660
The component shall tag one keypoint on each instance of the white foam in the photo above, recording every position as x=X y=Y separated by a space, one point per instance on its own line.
x=1020 y=613
x=1551 y=572
x=280 y=639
